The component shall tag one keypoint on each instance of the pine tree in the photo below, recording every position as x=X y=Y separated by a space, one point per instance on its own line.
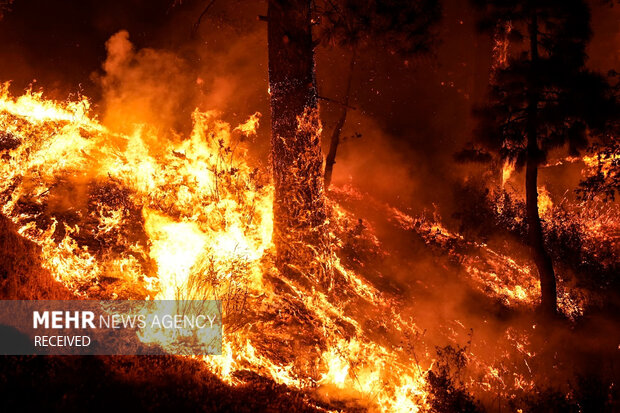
x=543 y=98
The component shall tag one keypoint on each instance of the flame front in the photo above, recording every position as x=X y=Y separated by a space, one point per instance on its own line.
x=142 y=215
x=146 y=216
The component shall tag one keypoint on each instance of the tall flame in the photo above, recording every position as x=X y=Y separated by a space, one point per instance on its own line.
x=139 y=215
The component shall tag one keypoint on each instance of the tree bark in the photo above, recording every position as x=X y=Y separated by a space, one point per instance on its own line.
x=299 y=208
x=542 y=259
x=330 y=160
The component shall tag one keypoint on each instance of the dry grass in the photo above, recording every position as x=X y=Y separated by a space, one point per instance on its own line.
x=21 y=275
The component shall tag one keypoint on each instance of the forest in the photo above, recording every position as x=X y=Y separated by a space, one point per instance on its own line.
x=399 y=205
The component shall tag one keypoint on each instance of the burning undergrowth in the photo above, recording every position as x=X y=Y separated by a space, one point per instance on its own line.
x=472 y=292
x=581 y=235
x=141 y=215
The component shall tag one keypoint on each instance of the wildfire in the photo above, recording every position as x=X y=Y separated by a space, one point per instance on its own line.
x=545 y=204
x=144 y=216
x=501 y=45
x=507 y=171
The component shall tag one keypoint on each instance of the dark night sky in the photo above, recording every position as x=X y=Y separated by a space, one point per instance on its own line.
x=415 y=114
x=61 y=43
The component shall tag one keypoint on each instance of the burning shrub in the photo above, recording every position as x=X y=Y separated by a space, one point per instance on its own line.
x=581 y=237
x=484 y=211
x=447 y=392
x=22 y=276
x=131 y=214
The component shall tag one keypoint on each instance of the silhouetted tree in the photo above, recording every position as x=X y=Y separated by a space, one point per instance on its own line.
x=330 y=159
x=543 y=98
x=398 y=26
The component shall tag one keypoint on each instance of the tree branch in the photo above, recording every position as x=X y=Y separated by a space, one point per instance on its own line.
x=204 y=12
x=346 y=105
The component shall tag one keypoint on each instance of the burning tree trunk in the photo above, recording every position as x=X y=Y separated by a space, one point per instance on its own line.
x=299 y=208
x=535 y=233
x=330 y=160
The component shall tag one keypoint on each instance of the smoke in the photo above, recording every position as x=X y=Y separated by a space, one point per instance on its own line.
x=223 y=70
x=410 y=122
x=372 y=162
x=145 y=86
x=234 y=78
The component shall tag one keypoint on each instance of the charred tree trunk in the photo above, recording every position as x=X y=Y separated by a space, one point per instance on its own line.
x=535 y=233
x=330 y=160
x=299 y=208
